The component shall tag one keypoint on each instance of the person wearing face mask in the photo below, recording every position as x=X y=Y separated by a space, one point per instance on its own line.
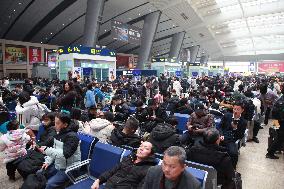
x=131 y=171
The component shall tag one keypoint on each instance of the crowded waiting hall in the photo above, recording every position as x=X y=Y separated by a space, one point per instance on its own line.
x=142 y=94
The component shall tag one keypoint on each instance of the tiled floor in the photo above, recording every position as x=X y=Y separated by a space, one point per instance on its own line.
x=257 y=171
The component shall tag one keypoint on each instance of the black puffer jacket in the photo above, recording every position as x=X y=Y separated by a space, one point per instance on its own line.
x=215 y=156
x=46 y=138
x=118 y=138
x=127 y=174
x=163 y=136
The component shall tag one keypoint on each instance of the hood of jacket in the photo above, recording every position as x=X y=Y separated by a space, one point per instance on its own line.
x=15 y=135
x=162 y=132
x=99 y=124
x=31 y=102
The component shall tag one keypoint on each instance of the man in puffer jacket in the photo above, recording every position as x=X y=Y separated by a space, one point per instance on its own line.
x=99 y=128
x=126 y=135
x=163 y=136
x=64 y=153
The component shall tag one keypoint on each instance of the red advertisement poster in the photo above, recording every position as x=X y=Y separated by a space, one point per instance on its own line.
x=270 y=67
x=15 y=54
x=35 y=55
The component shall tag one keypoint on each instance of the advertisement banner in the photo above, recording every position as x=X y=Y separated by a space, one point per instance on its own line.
x=126 y=33
x=270 y=67
x=51 y=57
x=1 y=54
x=15 y=54
x=86 y=50
x=35 y=55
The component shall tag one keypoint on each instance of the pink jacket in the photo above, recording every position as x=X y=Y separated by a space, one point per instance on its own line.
x=13 y=144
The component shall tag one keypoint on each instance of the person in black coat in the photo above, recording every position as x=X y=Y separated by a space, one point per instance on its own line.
x=130 y=173
x=121 y=109
x=183 y=107
x=68 y=99
x=233 y=127
x=147 y=91
x=210 y=153
x=154 y=112
x=163 y=136
x=46 y=138
x=126 y=135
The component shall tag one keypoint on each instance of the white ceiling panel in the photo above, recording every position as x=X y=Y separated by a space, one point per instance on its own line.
x=37 y=11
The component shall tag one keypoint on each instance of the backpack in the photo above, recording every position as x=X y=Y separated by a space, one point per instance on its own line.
x=249 y=109
x=278 y=109
x=35 y=181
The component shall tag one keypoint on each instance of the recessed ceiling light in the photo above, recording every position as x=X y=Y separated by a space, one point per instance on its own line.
x=139 y=14
x=14 y=10
x=20 y=3
x=51 y=33
x=41 y=42
x=46 y=38
x=9 y=16
x=63 y=24
x=150 y=10
x=173 y=25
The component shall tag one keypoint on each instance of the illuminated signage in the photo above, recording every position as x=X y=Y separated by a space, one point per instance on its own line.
x=86 y=50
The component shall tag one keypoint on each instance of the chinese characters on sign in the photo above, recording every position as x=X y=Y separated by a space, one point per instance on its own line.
x=126 y=33
x=15 y=54
x=86 y=50
x=35 y=55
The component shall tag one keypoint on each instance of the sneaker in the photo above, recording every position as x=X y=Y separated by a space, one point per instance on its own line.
x=255 y=139
x=260 y=127
x=250 y=140
x=271 y=156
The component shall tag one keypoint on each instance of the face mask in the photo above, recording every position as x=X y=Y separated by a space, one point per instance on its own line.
x=45 y=123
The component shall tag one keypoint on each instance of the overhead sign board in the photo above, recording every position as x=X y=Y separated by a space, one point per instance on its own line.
x=125 y=32
x=86 y=50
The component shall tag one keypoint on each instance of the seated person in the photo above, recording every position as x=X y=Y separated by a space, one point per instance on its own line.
x=130 y=173
x=183 y=107
x=163 y=136
x=119 y=108
x=13 y=144
x=126 y=135
x=198 y=122
x=64 y=153
x=46 y=138
x=227 y=102
x=233 y=127
x=154 y=112
x=100 y=127
x=172 y=173
x=210 y=153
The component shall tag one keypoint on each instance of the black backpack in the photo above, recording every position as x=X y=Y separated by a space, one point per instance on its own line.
x=278 y=109
x=35 y=181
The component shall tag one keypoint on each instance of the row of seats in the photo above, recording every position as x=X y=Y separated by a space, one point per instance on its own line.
x=100 y=157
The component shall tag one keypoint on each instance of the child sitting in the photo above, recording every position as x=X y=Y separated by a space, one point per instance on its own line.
x=13 y=143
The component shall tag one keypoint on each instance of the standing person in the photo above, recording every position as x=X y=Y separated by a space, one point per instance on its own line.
x=90 y=97
x=177 y=86
x=147 y=91
x=276 y=144
x=172 y=173
x=64 y=153
x=267 y=98
x=163 y=85
x=67 y=100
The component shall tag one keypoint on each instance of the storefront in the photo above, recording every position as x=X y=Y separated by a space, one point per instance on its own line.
x=87 y=62
x=168 y=67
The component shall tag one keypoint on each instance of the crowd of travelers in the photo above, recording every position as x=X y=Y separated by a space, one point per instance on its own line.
x=142 y=115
